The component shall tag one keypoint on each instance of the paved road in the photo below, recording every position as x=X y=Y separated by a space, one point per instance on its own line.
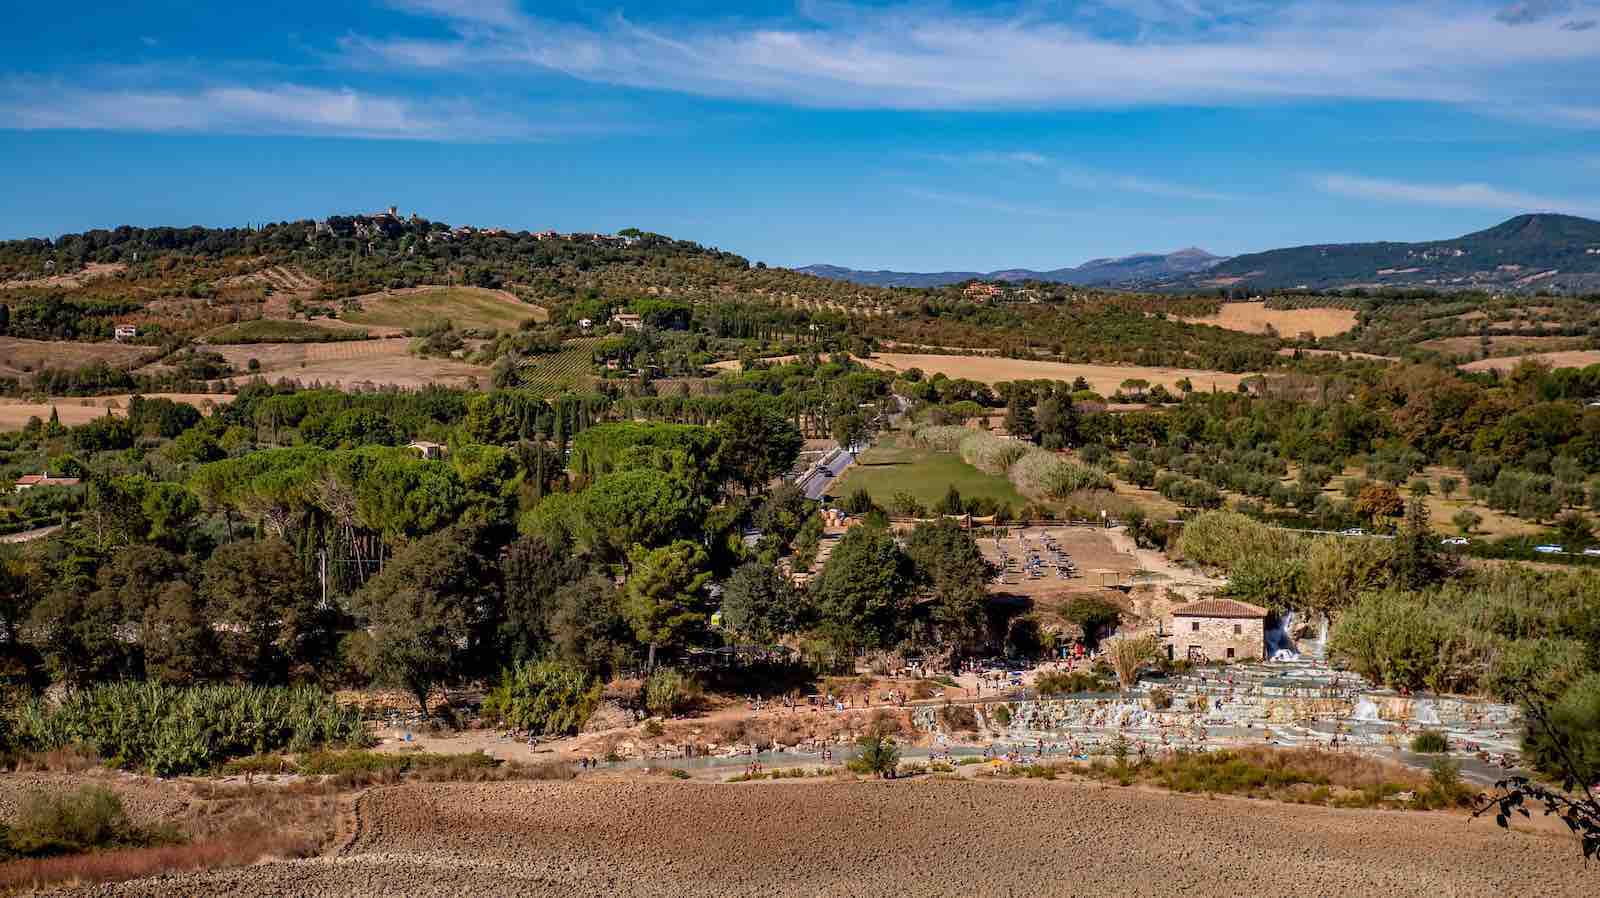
x=819 y=483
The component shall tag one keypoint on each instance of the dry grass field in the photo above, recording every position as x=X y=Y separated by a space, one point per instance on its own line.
x=734 y=364
x=465 y=307
x=1339 y=353
x=69 y=280
x=74 y=410
x=939 y=837
x=1103 y=379
x=1581 y=358
x=351 y=363
x=19 y=356
x=1255 y=318
x=1503 y=344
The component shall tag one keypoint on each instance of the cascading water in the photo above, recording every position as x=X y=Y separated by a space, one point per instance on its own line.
x=1366 y=709
x=1280 y=641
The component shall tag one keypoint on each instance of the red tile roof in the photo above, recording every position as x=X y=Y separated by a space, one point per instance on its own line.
x=45 y=479
x=1219 y=608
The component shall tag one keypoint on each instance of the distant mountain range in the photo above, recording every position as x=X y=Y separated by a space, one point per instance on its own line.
x=1135 y=269
x=1560 y=253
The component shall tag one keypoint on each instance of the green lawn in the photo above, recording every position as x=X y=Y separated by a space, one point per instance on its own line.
x=465 y=307
x=890 y=468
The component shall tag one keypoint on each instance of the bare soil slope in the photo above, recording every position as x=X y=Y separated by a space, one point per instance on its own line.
x=928 y=838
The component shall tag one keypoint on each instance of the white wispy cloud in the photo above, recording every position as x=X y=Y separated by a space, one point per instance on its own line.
x=1460 y=196
x=280 y=109
x=1119 y=52
x=1085 y=178
x=983 y=203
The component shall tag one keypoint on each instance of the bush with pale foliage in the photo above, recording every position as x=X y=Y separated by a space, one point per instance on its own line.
x=1227 y=539
x=991 y=454
x=1045 y=475
x=1129 y=653
x=941 y=438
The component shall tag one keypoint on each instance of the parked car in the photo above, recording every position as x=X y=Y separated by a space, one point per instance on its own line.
x=1354 y=531
x=1453 y=541
x=1592 y=551
x=1551 y=549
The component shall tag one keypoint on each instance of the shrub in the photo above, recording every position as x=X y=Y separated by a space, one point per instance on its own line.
x=1574 y=726
x=171 y=730
x=547 y=697
x=946 y=438
x=334 y=763
x=668 y=692
x=1430 y=742
x=1227 y=539
x=1002 y=715
x=1058 y=683
x=990 y=453
x=1044 y=475
x=69 y=822
x=1444 y=779
x=878 y=755
x=1160 y=698
x=958 y=717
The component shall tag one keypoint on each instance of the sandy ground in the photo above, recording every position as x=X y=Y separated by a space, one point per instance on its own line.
x=940 y=837
x=19 y=356
x=73 y=410
x=1574 y=359
x=1255 y=317
x=350 y=363
x=1103 y=379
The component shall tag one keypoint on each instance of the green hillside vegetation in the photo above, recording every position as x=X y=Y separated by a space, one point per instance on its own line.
x=466 y=309
x=1529 y=242
x=268 y=330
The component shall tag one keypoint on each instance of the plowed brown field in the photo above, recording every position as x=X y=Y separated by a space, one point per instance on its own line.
x=926 y=838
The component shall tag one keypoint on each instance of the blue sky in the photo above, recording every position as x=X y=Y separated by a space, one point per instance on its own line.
x=910 y=135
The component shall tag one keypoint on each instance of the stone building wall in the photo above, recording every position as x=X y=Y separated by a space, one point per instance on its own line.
x=1246 y=638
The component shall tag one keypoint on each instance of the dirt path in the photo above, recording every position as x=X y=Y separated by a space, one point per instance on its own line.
x=966 y=838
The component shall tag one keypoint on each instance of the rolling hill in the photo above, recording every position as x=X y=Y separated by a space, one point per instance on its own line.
x=1523 y=254
x=1125 y=271
x=1560 y=253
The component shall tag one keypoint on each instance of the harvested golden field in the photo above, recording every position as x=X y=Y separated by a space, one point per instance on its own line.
x=19 y=356
x=1255 y=318
x=74 y=410
x=465 y=307
x=1578 y=358
x=350 y=363
x=965 y=839
x=735 y=365
x=1103 y=379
